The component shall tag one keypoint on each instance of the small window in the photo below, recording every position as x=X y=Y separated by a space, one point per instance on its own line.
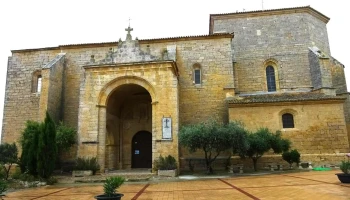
x=270 y=79
x=36 y=82
x=288 y=120
x=38 y=89
x=197 y=76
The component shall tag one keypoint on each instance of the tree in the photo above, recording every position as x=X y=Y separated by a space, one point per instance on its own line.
x=66 y=137
x=262 y=141
x=47 y=148
x=291 y=157
x=213 y=138
x=8 y=155
x=29 y=143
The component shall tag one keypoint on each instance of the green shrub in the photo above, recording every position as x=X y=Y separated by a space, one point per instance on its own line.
x=17 y=174
x=291 y=157
x=3 y=186
x=9 y=156
x=2 y=172
x=52 y=180
x=66 y=137
x=112 y=184
x=27 y=177
x=87 y=164
x=166 y=163
x=29 y=145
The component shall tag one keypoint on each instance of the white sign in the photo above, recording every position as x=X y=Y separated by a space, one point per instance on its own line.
x=166 y=123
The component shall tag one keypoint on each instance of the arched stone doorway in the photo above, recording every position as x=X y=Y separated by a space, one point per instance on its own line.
x=142 y=150
x=128 y=111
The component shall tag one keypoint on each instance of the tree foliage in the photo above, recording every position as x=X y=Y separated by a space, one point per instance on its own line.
x=213 y=138
x=291 y=157
x=263 y=141
x=9 y=156
x=29 y=144
x=47 y=148
x=66 y=137
x=39 y=148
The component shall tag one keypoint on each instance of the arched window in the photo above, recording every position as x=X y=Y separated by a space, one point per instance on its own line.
x=197 y=74
x=288 y=120
x=270 y=79
x=36 y=82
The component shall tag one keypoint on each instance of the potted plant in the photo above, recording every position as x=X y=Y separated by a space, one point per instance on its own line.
x=110 y=189
x=345 y=168
x=166 y=166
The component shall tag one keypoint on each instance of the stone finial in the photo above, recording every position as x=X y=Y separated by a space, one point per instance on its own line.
x=92 y=59
x=128 y=36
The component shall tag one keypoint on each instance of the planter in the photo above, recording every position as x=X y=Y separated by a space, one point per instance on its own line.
x=105 y=197
x=170 y=173
x=344 y=178
x=81 y=173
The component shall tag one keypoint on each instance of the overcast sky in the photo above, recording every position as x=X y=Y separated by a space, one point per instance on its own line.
x=45 y=23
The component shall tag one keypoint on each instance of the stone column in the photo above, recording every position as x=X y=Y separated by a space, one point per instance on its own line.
x=101 y=151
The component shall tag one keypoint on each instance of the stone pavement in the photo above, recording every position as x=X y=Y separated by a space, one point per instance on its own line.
x=304 y=185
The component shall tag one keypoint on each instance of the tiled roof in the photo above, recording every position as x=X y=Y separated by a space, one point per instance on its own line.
x=141 y=41
x=284 y=97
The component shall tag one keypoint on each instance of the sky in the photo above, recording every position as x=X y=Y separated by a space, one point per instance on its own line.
x=28 y=24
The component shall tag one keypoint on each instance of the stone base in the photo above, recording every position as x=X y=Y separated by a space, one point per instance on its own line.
x=169 y=173
x=79 y=173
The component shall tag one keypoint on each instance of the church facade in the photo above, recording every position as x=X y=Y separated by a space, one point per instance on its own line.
x=128 y=99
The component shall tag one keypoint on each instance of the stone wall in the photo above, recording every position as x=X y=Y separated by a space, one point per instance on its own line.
x=206 y=100
x=52 y=89
x=21 y=104
x=320 y=127
x=284 y=38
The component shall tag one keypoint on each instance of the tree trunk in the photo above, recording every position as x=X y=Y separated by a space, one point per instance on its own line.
x=255 y=161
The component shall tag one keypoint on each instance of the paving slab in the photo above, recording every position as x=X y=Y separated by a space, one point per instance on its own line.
x=322 y=185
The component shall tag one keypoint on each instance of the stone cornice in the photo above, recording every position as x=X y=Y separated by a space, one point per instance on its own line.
x=171 y=62
x=259 y=13
x=266 y=104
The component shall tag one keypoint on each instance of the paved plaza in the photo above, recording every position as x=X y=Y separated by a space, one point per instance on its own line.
x=304 y=185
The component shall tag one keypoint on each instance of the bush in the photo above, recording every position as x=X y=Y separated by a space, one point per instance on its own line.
x=29 y=143
x=165 y=163
x=66 y=137
x=27 y=177
x=17 y=173
x=8 y=156
x=2 y=172
x=3 y=186
x=47 y=148
x=291 y=157
x=87 y=164
x=52 y=180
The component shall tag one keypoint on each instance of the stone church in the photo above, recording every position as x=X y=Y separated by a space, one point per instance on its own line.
x=128 y=99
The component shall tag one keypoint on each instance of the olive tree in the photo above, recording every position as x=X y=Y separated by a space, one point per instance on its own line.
x=213 y=138
x=263 y=141
x=8 y=156
x=291 y=157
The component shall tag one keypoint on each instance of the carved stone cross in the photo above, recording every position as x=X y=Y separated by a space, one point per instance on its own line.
x=128 y=36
